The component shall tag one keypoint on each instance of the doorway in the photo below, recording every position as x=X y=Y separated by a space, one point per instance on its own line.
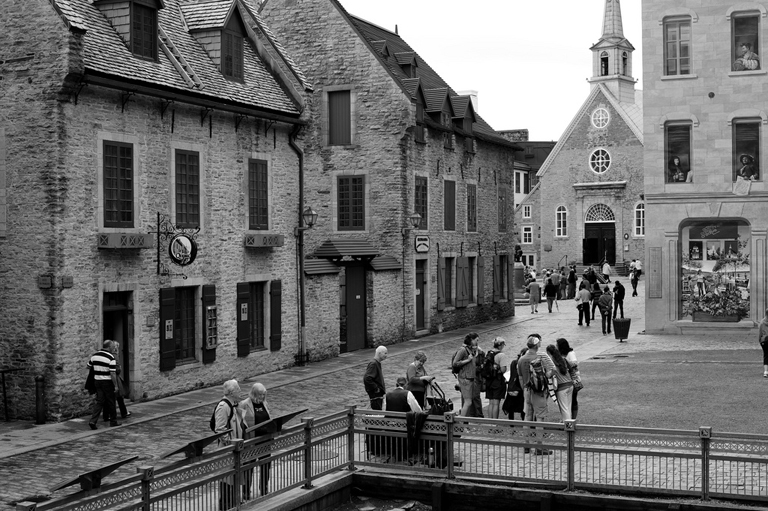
x=356 y=307
x=116 y=316
x=421 y=291
x=599 y=243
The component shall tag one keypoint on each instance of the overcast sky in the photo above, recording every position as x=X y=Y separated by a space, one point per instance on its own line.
x=528 y=59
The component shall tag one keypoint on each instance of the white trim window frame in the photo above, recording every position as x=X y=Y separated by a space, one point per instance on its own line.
x=526 y=211
x=561 y=222
x=527 y=235
x=639 y=220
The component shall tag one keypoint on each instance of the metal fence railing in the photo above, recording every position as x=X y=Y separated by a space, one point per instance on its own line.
x=659 y=462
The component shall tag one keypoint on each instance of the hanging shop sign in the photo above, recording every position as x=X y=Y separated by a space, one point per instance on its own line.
x=182 y=249
x=182 y=246
x=421 y=244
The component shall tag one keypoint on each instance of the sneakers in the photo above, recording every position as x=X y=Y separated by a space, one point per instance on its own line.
x=127 y=414
x=765 y=375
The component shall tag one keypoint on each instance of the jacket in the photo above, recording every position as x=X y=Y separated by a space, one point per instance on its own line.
x=605 y=302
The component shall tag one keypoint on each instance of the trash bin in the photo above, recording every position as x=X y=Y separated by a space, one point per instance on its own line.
x=621 y=328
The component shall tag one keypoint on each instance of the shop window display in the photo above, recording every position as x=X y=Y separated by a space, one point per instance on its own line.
x=715 y=269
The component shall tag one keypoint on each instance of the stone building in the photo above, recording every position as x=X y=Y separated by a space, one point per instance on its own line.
x=590 y=191
x=133 y=132
x=704 y=128
x=388 y=138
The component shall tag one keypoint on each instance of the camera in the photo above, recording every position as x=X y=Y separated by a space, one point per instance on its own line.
x=457 y=387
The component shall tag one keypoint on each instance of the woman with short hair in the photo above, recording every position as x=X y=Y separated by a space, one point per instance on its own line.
x=417 y=377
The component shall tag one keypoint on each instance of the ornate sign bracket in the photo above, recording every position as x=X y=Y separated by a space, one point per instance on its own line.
x=182 y=247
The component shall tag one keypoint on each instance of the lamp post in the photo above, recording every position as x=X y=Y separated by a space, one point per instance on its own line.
x=310 y=218
x=415 y=221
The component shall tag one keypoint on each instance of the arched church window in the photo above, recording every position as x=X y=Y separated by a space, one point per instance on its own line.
x=624 y=64
x=600 y=118
x=561 y=222
x=600 y=161
x=599 y=213
x=604 y=63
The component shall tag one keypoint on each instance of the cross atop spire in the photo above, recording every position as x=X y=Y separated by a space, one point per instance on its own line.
x=612 y=26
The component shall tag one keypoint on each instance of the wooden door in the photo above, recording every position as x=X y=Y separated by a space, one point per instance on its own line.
x=421 y=288
x=356 y=307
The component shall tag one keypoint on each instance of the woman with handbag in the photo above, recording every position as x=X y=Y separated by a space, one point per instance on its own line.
x=573 y=368
x=417 y=377
x=563 y=382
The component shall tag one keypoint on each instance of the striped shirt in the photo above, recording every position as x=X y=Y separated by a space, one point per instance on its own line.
x=104 y=365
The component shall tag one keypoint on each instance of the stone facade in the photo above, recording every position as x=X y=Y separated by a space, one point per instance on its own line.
x=711 y=96
x=338 y=53
x=62 y=293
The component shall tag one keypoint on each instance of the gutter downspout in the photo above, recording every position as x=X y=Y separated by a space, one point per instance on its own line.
x=301 y=357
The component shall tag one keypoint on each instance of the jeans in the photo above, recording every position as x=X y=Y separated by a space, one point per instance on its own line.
x=105 y=400
x=571 y=291
x=564 y=397
x=550 y=300
x=606 y=319
x=535 y=407
x=584 y=313
x=377 y=403
x=618 y=304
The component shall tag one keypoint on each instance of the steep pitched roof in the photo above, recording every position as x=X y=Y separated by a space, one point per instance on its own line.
x=632 y=114
x=106 y=54
x=208 y=15
x=430 y=79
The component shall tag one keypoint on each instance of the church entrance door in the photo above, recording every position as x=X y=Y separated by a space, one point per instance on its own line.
x=599 y=243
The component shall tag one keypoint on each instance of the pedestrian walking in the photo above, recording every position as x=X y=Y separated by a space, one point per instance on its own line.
x=605 y=303
x=255 y=411
x=120 y=392
x=606 y=271
x=227 y=416
x=464 y=365
x=596 y=294
x=572 y=283
x=105 y=379
x=563 y=284
x=550 y=292
x=564 y=383
x=534 y=295
x=417 y=377
x=618 y=298
x=373 y=380
x=583 y=299
x=535 y=401
x=497 y=363
x=762 y=336
x=573 y=366
x=514 y=401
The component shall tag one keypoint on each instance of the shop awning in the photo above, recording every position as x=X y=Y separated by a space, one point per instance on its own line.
x=385 y=262
x=319 y=267
x=355 y=248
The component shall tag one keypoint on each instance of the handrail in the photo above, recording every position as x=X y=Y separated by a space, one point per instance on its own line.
x=561 y=260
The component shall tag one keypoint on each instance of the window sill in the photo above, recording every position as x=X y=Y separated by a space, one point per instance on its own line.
x=343 y=146
x=449 y=308
x=678 y=77
x=562 y=238
x=422 y=142
x=748 y=73
x=258 y=349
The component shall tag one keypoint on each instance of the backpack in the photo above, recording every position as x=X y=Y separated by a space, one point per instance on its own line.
x=213 y=415
x=454 y=367
x=538 y=382
x=488 y=369
x=480 y=379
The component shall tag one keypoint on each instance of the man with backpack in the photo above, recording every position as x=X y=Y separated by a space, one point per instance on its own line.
x=227 y=416
x=532 y=369
x=464 y=367
x=494 y=366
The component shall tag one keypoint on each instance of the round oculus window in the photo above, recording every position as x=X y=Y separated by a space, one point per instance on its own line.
x=600 y=118
x=600 y=160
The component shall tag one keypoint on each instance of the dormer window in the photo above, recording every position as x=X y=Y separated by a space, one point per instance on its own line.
x=232 y=49
x=143 y=30
x=410 y=70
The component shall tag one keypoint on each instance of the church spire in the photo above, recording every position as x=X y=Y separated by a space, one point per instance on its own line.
x=612 y=26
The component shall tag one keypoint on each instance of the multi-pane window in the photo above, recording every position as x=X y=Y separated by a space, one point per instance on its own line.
x=256 y=317
x=449 y=205
x=258 y=197
x=677 y=143
x=527 y=211
x=745 y=29
x=604 y=63
x=449 y=262
x=471 y=207
x=421 y=201
x=143 y=31
x=746 y=149
x=351 y=203
x=561 y=222
x=118 y=184
x=600 y=117
x=502 y=212
x=232 y=55
x=600 y=161
x=184 y=324
x=339 y=118
x=640 y=219
x=528 y=234
x=187 y=188
x=677 y=47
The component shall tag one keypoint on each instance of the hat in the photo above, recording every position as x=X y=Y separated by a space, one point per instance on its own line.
x=533 y=341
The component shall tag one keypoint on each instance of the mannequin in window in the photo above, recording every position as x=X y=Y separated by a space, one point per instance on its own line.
x=748 y=169
x=676 y=172
x=747 y=60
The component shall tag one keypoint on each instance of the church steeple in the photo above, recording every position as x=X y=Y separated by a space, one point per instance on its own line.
x=612 y=56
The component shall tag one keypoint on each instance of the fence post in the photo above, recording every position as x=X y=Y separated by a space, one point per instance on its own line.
x=448 y=418
x=351 y=436
x=147 y=474
x=570 y=433
x=238 y=462
x=39 y=400
x=308 y=422
x=705 y=433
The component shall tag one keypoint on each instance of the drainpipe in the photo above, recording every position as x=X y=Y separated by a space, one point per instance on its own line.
x=300 y=246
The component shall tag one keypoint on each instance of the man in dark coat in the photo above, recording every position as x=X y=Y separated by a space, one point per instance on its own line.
x=374 y=379
x=618 y=298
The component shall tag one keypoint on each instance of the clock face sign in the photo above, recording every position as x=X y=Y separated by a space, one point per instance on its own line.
x=182 y=249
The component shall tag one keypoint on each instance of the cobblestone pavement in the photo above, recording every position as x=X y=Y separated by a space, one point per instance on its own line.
x=35 y=458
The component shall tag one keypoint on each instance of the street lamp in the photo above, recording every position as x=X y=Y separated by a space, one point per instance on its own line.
x=310 y=218
x=415 y=220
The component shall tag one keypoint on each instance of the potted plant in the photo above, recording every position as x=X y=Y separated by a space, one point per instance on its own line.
x=725 y=305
